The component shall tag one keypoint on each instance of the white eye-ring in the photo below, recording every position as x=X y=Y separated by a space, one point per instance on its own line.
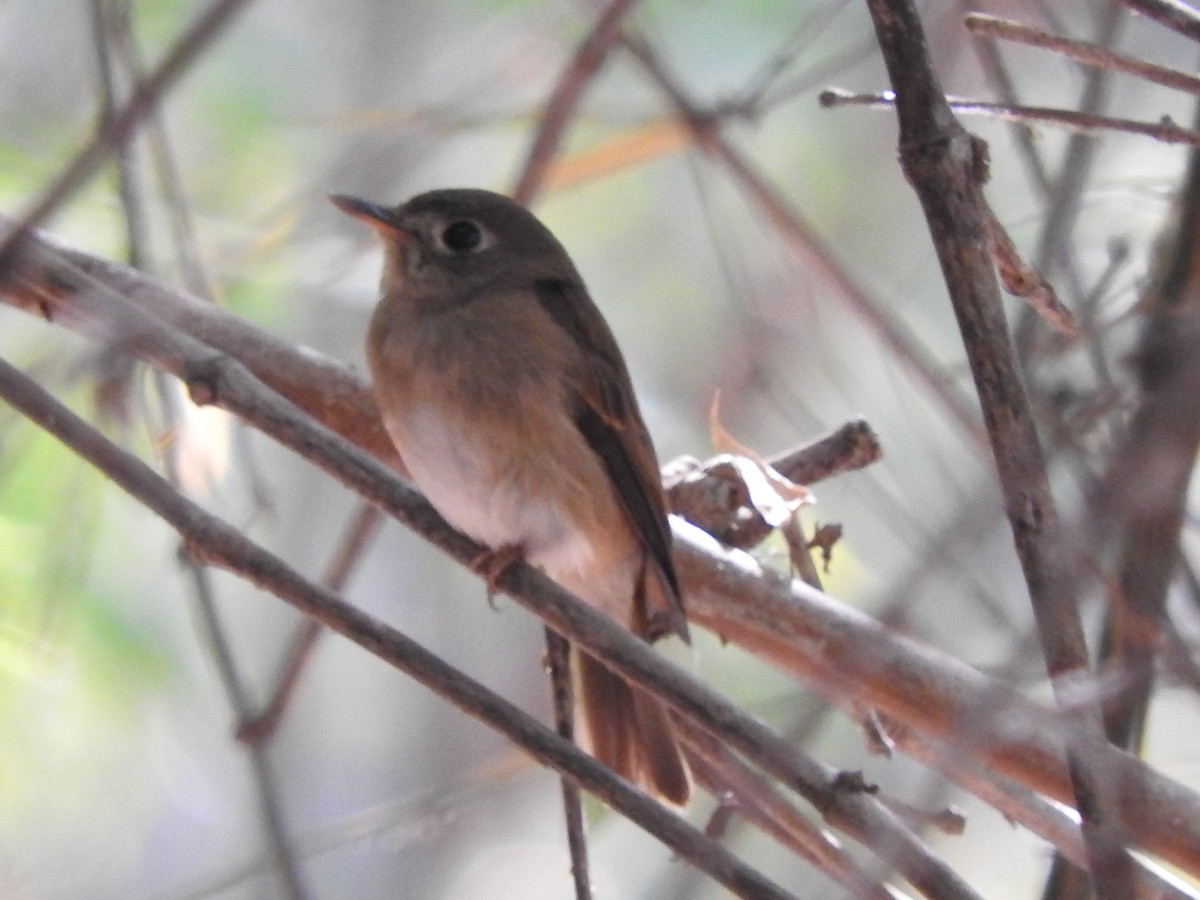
x=463 y=236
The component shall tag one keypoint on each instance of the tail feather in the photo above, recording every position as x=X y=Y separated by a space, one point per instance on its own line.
x=629 y=731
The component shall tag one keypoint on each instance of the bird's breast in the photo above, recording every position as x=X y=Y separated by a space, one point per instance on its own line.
x=523 y=478
x=480 y=410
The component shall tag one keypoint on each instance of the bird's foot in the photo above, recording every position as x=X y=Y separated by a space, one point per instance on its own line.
x=491 y=565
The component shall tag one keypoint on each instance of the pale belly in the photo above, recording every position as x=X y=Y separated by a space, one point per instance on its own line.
x=500 y=493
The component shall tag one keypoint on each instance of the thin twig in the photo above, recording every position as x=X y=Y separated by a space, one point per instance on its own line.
x=186 y=50
x=997 y=74
x=819 y=256
x=1165 y=131
x=194 y=273
x=564 y=99
x=1086 y=52
x=1174 y=14
x=106 y=22
x=1066 y=194
x=749 y=795
x=558 y=664
x=944 y=165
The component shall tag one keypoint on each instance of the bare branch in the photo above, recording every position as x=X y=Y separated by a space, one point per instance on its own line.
x=212 y=378
x=1165 y=130
x=217 y=543
x=187 y=49
x=946 y=167
x=840 y=652
x=1084 y=52
x=1174 y=14
x=574 y=80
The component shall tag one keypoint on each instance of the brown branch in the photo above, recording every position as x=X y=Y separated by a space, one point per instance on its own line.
x=212 y=378
x=558 y=664
x=1165 y=130
x=841 y=653
x=185 y=51
x=217 y=543
x=1085 y=52
x=564 y=99
x=1174 y=14
x=326 y=389
x=1074 y=170
x=714 y=496
x=819 y=257
x=745 y=792
x=997 y=73
x=845 y=449
x=1020 y=804
x=946 y=166
x=1144 y=495
x=850 y=658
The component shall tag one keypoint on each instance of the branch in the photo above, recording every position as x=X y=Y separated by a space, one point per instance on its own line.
x=186 y=50
x=1144 y=495
x=845 y=655
x=213 y=378
x=1164 y=130
x=585 y=64
x=946 y=165
x=1174 y=14
x=215 y=542
x=1084 y=52
x=714 y=496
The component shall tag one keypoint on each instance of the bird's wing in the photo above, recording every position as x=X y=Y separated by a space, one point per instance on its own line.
x=607 y=416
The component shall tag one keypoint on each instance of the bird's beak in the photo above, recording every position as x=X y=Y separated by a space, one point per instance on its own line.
x=382 y=219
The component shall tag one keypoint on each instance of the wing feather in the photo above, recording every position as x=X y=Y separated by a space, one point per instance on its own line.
x=607 y=416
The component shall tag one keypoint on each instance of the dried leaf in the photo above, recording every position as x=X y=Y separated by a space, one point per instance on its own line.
x=1022 y=280
x=823 y=539
x=775 y=497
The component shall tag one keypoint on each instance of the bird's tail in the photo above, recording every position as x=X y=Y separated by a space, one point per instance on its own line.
x=628 y=731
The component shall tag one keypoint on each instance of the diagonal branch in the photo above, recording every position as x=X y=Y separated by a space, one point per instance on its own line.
x=1085 y=52
x=186 y=50
x=214 y=378
x=819 y=256
x=585 y=64
x=216 y=542
x=846 y=656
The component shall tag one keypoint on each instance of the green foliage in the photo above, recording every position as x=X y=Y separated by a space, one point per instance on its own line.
x=71 y=659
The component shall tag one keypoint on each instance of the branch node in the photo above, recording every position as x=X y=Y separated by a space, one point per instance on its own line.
x=203 y=379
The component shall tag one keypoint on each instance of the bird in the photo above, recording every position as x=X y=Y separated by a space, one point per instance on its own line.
x=509 y=402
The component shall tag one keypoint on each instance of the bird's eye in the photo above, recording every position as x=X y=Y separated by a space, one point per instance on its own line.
x=462 y=236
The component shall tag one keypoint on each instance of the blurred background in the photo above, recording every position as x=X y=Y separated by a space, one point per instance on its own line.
x=119 y=771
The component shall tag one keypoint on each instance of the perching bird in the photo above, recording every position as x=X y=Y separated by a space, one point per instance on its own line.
x=508 y=400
